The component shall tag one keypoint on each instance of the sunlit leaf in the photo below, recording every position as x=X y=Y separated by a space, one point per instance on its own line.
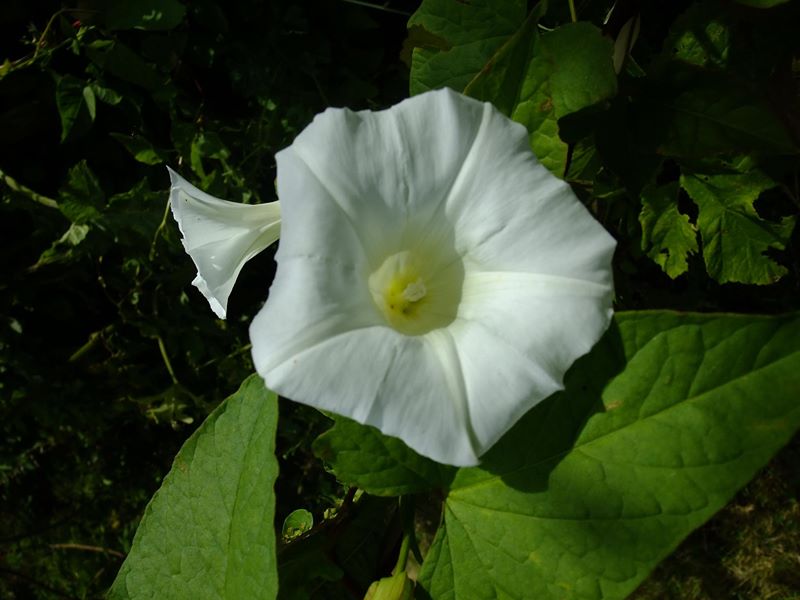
x=539 y=79
x=208 y=532
x=534 y=78
x=467 y=34
x=658 y=427
x=297 y=523
x=667 y=235
x=734 y=236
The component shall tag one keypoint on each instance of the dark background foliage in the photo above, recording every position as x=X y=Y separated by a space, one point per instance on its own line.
x=109 y=358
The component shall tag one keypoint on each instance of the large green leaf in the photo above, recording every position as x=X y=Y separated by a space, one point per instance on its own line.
x=734 y=236
x=208 y=532
x=467 y=34
x=667 y=235
x=534 y=78
x=659 y=426
x=363 y=457
x=538 y=79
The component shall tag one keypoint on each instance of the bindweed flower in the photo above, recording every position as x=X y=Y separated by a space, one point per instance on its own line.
x=434 y=280
x=220 y=236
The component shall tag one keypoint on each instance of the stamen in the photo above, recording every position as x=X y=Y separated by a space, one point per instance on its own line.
x=415 y=291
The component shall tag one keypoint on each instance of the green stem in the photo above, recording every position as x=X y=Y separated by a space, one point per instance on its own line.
x=167 y=362
x=402 y=558
x=159 y=229
x=407 y=523
x=93 y=340
x=16 y=186
x=572 y=12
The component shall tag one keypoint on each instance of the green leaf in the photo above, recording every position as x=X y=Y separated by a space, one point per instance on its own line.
x=152 y=15
x=135 y=216
x=206 y=144
x=712 y=116
x=667 y=235
x=140 y=148
x=734 y=236
x=62 y=249
x=467 y=34
x=76 y=106
x=384 y=466
x=701 y=36
x=105 y=94
x=538 y=79
x=657 y=429
x=297 y=523
x=81 y=199
x=89 y=100
x=351 y=545
x=119 y=60
x=208 y=532
x=534 y=79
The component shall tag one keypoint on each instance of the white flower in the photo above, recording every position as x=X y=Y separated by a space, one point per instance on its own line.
x=220 y=236
x=434 y=280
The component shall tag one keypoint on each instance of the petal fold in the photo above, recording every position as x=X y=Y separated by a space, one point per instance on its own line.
x=220 y=236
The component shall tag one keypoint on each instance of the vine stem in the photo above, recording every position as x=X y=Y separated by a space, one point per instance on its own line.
x=163 y=349
x=16 y=186
x=572 y=12
x=407 y=520
x=88 y=548
x=402 y=558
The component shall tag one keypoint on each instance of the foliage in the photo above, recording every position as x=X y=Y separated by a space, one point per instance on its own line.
x=228 y=542
x=677 y=123
x=108 y=359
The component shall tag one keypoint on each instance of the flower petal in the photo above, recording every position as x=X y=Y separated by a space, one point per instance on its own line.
x=519 y=333
x=390 y=171
x=511 y=214
x=220 y=236
x=383 y=378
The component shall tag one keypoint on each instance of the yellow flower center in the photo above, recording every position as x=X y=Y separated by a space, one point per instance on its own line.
x=416 y=296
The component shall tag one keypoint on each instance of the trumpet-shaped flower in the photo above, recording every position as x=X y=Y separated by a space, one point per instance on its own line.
x=434 y=280
x=220 y=236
